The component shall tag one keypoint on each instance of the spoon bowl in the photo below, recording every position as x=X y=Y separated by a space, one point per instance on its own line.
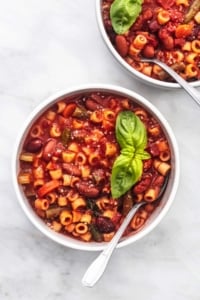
x=187 y=87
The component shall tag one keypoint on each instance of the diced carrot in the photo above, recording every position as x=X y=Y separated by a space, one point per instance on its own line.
x=48 y=187
x=183 y=30
x=69 y=109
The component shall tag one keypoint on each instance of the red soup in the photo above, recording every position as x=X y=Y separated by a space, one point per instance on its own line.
x=165 y=29
x=69 y=165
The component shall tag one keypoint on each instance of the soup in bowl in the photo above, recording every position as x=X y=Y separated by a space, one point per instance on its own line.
x=166 y=30
x=85 y=156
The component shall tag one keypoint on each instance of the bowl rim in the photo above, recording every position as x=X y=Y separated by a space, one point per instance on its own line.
x=138 y=75
x=36 y=221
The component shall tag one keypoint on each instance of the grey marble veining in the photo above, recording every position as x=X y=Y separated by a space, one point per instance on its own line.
x=46 y=46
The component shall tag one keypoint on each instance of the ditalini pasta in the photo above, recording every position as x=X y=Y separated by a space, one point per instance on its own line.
x=66 y=164
x=167 y=30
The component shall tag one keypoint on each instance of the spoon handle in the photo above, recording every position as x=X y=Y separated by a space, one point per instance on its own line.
x=96 y=269
x=190 y=89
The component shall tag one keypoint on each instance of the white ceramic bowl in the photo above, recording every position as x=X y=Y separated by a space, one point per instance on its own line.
x=168 y=196
x=136 y=74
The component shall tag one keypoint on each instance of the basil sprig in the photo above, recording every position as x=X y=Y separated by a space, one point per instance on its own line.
x=128 y=166
x=123 y=14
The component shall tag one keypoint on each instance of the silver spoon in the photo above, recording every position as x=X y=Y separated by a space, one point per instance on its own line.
x=96 y=269
x=188 y=88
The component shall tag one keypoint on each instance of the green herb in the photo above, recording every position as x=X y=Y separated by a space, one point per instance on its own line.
x=123 y=14
x=65 y=136
x=127 y=168
x=91 y=204
x=193 y=9
x=53 y=212
x=97 y=236
x=80 y=112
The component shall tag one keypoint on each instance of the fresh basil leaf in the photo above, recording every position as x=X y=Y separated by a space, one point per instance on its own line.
x=137 y=168
x=123 y=14
x=139 y=134
x=142 y=155
x=125 y=127
x=128 y=152
x=130 y=131
x=122 y=177
x=127 y=169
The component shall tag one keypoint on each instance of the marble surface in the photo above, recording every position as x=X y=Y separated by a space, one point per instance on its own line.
x=46 y=46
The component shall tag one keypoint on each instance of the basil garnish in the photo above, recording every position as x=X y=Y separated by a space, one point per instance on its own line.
x=123 y=14
x=132 y=138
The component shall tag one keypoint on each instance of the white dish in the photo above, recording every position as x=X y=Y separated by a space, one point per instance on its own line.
x=156 y=216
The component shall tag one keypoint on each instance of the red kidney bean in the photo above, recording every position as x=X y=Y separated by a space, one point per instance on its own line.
x=121 y=45
x=87 y=189
x=34 y=145
x=142 y=185
x=154 y=26
x=98 y=99
x=104 y=224
x=49 y=149
x=92 y=105
x=148 y=51
x=71 y=169
x=168 y=42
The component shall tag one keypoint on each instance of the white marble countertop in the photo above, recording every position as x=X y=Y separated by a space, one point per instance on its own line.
x=50 y=45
